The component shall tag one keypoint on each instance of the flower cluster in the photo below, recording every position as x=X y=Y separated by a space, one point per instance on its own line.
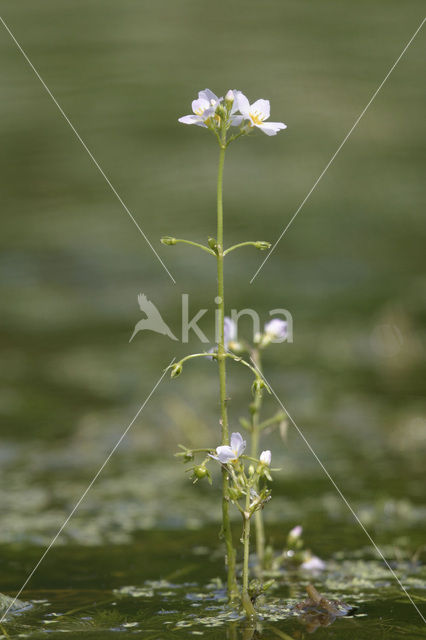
x=235 y=110
x=232 y=452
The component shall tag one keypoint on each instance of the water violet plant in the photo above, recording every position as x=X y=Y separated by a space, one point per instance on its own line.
x=244 y=477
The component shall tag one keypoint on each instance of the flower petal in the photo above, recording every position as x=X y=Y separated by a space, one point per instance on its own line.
x=192 y=120
x=243 y=103
x=229 y=330
x=266 y=457
x=225 y=454
x=276 y=329
x=237 y=444
x=271 y=128
x=208 y=96
x=236 y=121
x=199 y=106
x=262 y=107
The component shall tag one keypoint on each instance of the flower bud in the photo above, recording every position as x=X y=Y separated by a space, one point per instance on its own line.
x=212 y=242
x=229 y=98
x=296 y=532
x=221 y=111
x=257 y=386
x=262 y=245
x=265 y=457
x=168 y=240
x=176 y=370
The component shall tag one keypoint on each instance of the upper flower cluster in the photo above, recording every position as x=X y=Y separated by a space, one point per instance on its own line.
x=233 y=111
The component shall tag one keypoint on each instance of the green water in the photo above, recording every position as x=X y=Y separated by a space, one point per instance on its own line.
x=142 y=550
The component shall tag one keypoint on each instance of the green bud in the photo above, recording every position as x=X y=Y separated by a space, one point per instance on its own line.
x=257 y=386
x=200 y=471
x=221 y=111
x=176 y=370
x=234 y=494
x=212 y=242
x=262 y=245
x=168 y=240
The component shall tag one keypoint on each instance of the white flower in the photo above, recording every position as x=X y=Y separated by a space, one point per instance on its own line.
x=296 y=532
x=313 y=564
x=231 y=453
x=256 y=113
x=235 y=121
x=229 y=330
x=204 y=107
x=265 y=457
x=276 y=329
x=229 y=334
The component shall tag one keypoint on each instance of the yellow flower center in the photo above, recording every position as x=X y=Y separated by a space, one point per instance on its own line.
x=256 y=117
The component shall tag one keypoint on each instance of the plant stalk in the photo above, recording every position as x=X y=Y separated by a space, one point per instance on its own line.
x=245 y=598
x=221 y=358
x=258 y=516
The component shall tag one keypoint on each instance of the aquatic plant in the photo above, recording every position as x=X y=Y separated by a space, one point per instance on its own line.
x=244 y=477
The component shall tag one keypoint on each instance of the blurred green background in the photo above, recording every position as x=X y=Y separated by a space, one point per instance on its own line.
x=350 y=269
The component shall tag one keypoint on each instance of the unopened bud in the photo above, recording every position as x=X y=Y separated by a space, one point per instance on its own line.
x=176 y=370
x=229 y=98
x=257 y=386
x=221 y=111
x=212 y=242
x=234 y=494
x=168 y=240
x=262 y=245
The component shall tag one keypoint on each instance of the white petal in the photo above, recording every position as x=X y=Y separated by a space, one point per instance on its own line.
x=236 y=121
x=237 y=443
x=243 y=103
x=225 y=454
x=208 y=95
x=229 y=329
x=235 y=106
x=313 y=564
x=212 y=350
x=296 y=532
x=271 y=128
x=276 y=329
x=192 y=120
x=199 y=106
x=266 y=457
x=262 y=107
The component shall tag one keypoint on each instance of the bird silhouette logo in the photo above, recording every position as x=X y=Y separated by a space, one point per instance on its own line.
x=153 y=320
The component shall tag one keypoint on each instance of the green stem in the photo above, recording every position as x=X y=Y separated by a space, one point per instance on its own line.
x=195 y=244
x=246 y=601
x=258 y=516
x=237 y=246
x=221 y=358
x=246 y=541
